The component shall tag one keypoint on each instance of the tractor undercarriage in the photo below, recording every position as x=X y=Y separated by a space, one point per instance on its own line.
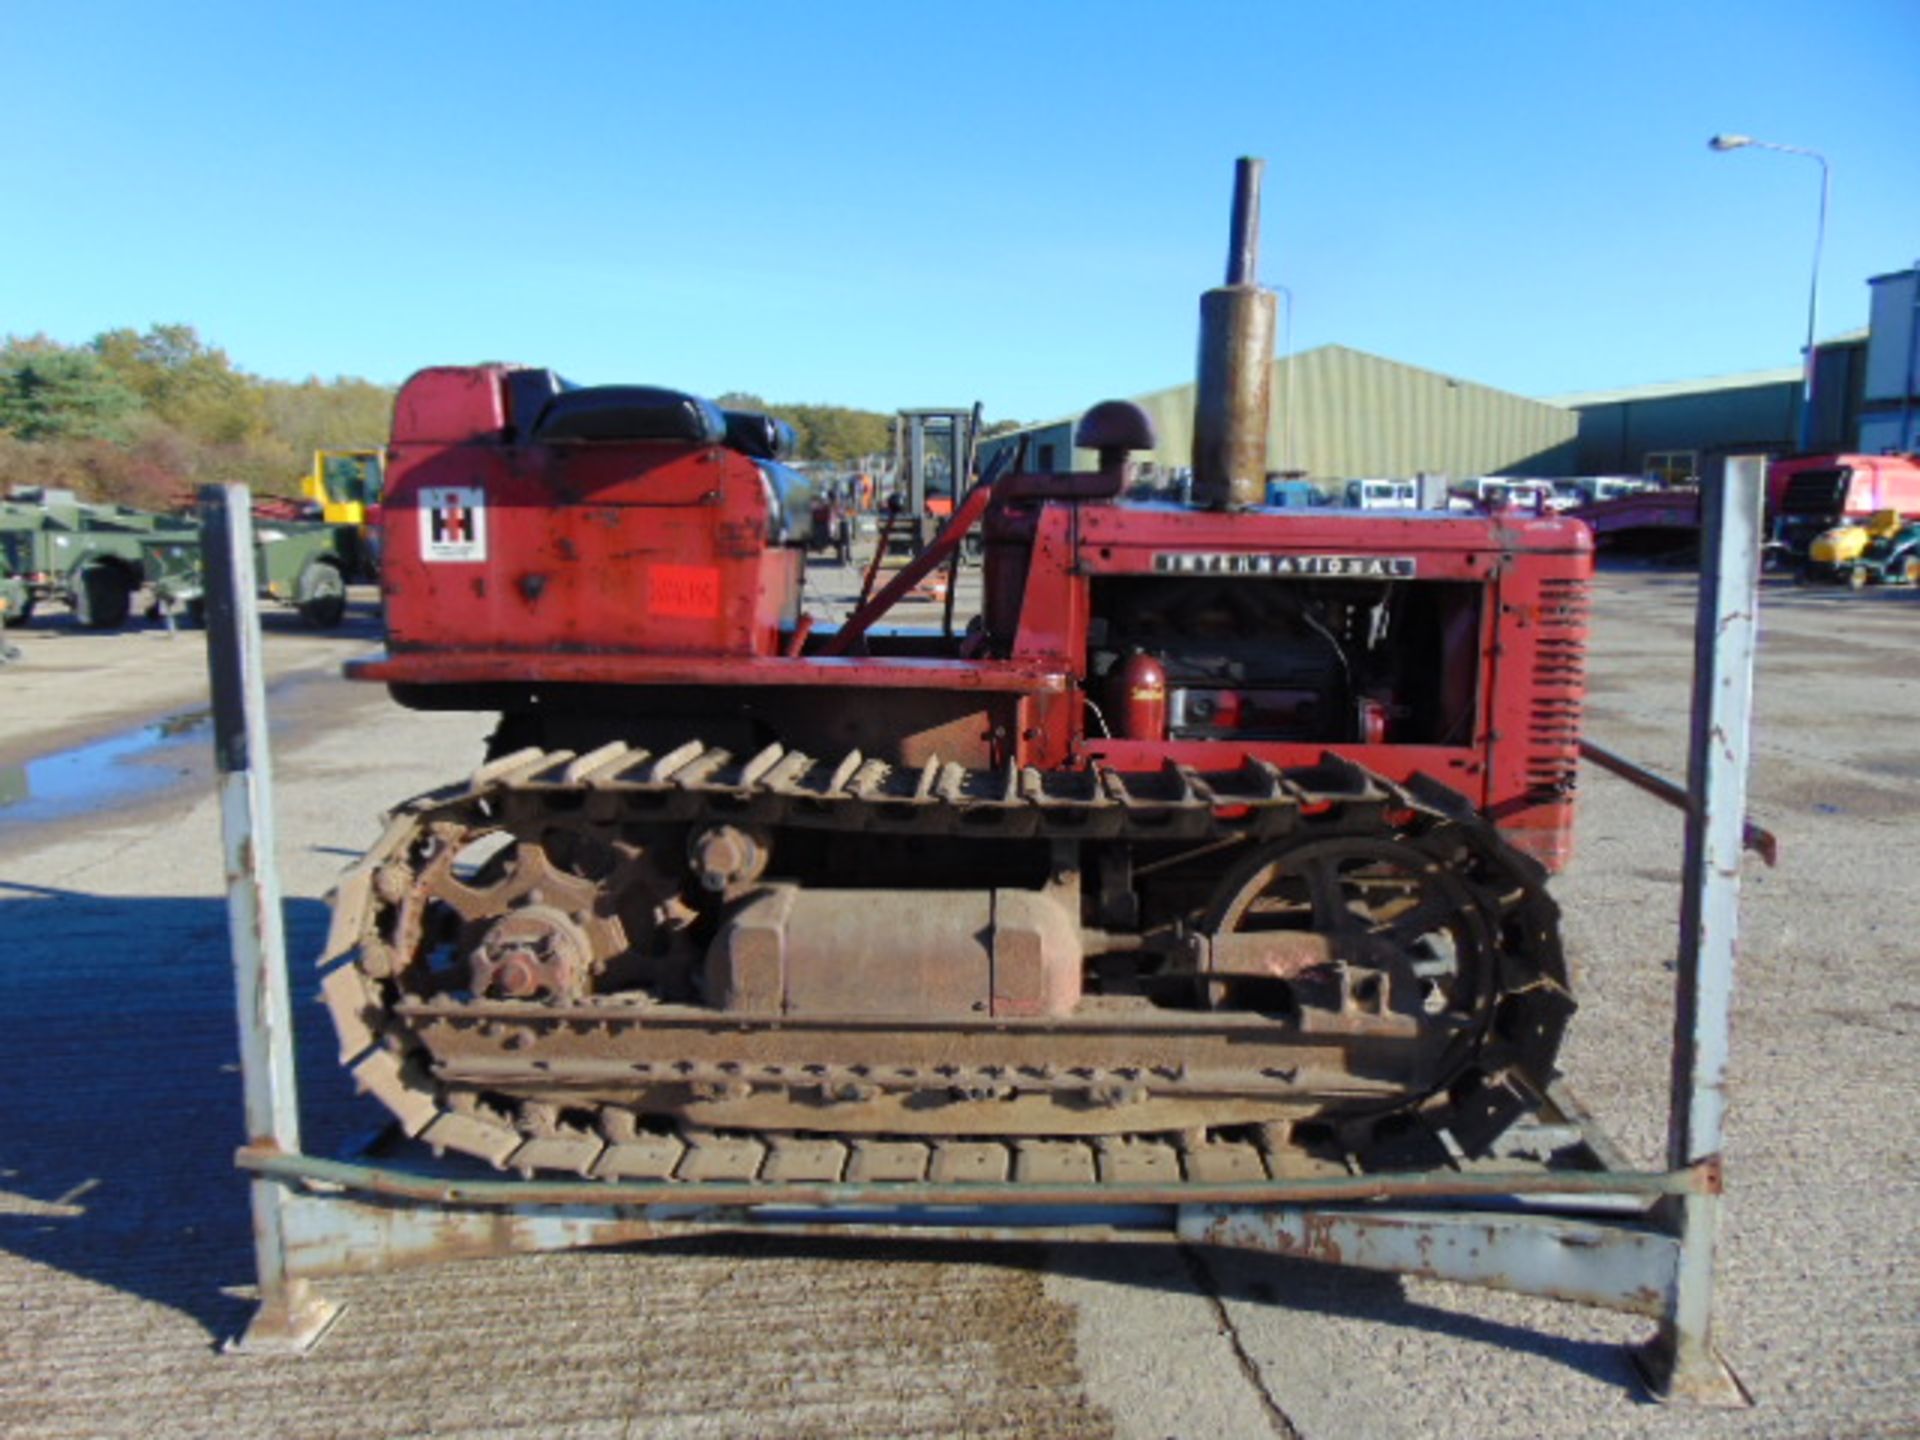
x=631 y=964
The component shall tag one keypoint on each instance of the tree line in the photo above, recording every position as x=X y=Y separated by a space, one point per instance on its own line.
x=836 y=434
x=144 y=417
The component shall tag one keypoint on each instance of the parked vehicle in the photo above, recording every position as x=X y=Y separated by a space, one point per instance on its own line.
x=98 y=558
x=1885 y=551
x=1663 y=521
x=13 y=595
x=301 y=563
x=1808 y=495
x=1491 y=492
x=13 y=598
x=1382 y=495
x=95 y=558
x=1293 y=494
x=1150 y=859
x=1592 y=489
x=346 y=486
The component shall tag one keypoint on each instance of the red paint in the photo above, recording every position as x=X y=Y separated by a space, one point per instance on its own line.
x=1873 y=482
x=622 y=549
x=689 y=592
x=469 y=666
x=1143 y=698
x=1373 y=722
x=657 y=565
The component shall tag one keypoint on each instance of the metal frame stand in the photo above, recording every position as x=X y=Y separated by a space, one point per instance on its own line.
x=1558 y=1214
x=290 y=1317
x=1682 y=1362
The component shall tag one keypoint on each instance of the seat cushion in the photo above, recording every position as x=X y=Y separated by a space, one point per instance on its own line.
x=630 y=412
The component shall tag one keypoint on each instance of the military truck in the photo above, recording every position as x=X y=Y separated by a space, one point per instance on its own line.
x=302 y=563
x=13 y=595
x=97 y=558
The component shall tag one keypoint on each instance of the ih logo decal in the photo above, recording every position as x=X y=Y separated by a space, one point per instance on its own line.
x=453 y=523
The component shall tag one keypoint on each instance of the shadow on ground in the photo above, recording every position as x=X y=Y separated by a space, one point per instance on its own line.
x=121 y=1092
x=122 y=1097
x=362 y=625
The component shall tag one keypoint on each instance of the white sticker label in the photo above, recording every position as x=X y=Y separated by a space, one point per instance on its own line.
x=453 y=523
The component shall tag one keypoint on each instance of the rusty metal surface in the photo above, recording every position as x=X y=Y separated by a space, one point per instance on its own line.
x=336 y=1235
x=1613 y=1266
x=943 y=545
x=290 y=1317
x=1756 y=838
x=474 y=663
x=1335 y=1188
x=1236 y=366
x=814 y=1041
x=1686 y=1359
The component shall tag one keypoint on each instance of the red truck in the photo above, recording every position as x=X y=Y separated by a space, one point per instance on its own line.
x=1810 y=494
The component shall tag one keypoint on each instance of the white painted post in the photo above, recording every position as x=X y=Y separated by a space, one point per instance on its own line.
x=289 y=1318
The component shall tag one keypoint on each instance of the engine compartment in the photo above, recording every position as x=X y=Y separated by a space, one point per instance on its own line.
x=1264 y=659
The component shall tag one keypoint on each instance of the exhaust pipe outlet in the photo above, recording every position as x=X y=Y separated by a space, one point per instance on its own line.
x=1235 y=371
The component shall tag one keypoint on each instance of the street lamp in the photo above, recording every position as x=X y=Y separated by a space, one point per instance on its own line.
x=1742 y=142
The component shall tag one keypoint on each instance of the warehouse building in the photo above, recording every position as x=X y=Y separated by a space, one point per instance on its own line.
x=1890 y=395
x=1340 y=414
x=1683 y=430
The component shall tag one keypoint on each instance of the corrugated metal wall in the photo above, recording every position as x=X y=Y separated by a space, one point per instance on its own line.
x=1616 y=436
x=1359 y=415
x=1049 y=447
x=1890 y=418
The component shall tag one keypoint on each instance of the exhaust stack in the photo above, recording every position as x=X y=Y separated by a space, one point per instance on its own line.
x=1235 y=366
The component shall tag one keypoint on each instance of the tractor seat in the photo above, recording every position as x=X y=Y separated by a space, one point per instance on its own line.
x=630 y=412
x=758 y=437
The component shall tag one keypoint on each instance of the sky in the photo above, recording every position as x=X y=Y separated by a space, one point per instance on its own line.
x=932 y=204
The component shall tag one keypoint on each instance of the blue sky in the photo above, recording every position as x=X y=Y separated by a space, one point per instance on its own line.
x=913 y=204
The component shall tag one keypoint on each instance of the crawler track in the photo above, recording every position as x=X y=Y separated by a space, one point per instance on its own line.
x=636 y=1078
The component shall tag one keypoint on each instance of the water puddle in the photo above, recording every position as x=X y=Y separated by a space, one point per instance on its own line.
x=105 y=772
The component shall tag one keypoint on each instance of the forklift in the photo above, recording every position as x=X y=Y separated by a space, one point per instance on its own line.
x=934 y=449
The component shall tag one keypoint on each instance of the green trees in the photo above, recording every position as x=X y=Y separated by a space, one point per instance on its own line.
x=824 y=432
x=51 y=393
x=314 y=415
x=144 y=416
x=184 y=382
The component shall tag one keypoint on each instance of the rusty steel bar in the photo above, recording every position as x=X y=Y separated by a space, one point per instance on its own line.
x=1235 y=371
x=1682 y=1362
x=965 y=516
x=335 y=1235
x=1616 y=1267
x=289 y=1317
x=1757 y=838
x=414 y=1185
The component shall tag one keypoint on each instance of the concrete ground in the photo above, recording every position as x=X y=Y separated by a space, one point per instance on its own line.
x=124 y=1245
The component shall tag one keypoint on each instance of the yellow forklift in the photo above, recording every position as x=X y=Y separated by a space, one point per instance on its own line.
x=346 y=485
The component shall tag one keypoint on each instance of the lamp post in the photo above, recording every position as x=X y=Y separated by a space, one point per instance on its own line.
x=1743 y=142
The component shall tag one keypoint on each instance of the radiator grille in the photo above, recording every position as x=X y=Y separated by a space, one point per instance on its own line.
x=1814 y=492
x=1559 y=684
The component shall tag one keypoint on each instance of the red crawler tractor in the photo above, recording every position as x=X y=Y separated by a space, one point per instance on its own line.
x=1216 y=841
